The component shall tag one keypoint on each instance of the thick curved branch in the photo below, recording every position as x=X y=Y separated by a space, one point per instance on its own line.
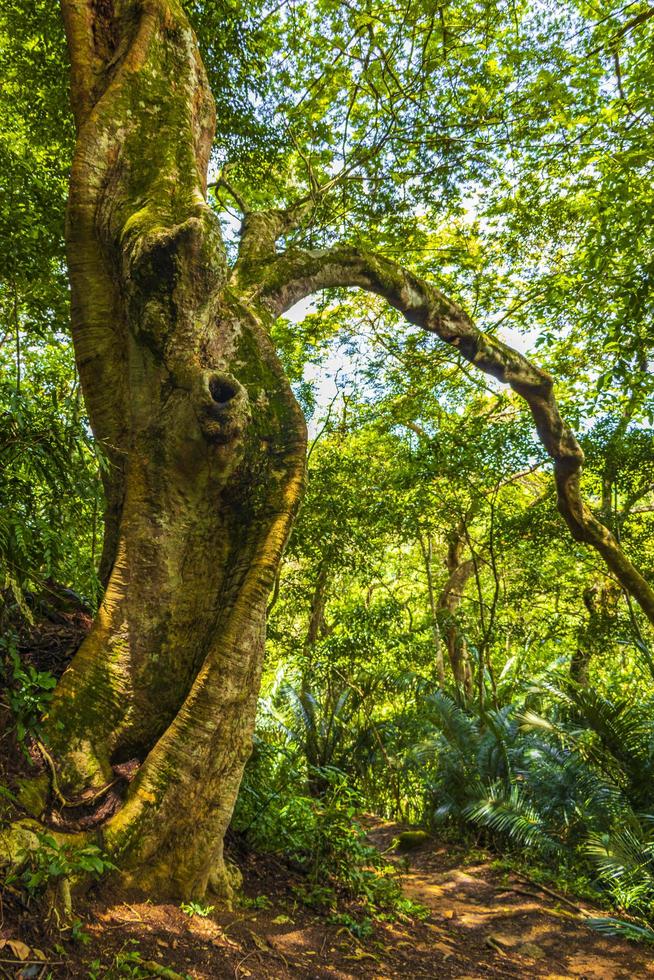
x=261 y=230
x=298 y=274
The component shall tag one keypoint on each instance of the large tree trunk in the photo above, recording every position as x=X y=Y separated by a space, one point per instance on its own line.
x=205 y=446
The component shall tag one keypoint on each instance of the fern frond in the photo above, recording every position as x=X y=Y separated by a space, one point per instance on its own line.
x=622 y=929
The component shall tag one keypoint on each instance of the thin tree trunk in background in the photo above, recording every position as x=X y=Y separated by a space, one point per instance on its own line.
x=316 y=619
x=460 y=571
x=427 y=551
x=600 y=600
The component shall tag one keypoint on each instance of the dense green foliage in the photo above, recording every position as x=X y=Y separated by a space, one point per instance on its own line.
x=506 y=151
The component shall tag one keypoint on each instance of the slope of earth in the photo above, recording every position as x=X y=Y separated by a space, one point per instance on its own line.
x=480 y=925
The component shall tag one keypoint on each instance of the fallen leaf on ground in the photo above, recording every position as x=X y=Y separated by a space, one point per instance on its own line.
x=19 y=949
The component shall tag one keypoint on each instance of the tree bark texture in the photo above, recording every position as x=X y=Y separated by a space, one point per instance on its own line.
x=205 y=447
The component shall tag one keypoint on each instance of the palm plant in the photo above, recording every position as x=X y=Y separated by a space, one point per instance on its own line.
x=571 y=781
x=464 y=753
x=322 y=726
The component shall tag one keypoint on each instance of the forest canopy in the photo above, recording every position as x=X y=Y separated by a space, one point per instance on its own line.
x=433 y=225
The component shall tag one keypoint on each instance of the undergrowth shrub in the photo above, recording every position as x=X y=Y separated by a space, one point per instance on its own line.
x=342 y=874
x=51 y=861
x=51 y=868
x=27 y=691
x=556 y=775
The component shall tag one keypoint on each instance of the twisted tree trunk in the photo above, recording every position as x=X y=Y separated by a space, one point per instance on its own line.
x=205 y=447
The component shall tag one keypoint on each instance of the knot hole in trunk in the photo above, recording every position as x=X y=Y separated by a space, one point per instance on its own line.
x=224 y=411
x=223 y=389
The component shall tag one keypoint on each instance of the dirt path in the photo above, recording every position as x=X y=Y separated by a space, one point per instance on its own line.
x=505 y=923
x=482 y=925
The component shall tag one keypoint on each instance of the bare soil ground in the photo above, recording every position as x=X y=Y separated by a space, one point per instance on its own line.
x=482 y=924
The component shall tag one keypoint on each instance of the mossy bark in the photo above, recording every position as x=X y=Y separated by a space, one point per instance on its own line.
x=205 y=446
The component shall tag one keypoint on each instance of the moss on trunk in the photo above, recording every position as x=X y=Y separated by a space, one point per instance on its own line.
x=206 y=447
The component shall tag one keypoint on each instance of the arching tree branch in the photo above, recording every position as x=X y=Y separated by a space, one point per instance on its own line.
x=298 y=274
x=261 y=230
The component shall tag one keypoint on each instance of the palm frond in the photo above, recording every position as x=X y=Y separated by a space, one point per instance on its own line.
x=622 y=929
x=512 y=816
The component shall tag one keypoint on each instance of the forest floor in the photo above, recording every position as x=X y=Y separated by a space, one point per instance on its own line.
x=482 y=923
